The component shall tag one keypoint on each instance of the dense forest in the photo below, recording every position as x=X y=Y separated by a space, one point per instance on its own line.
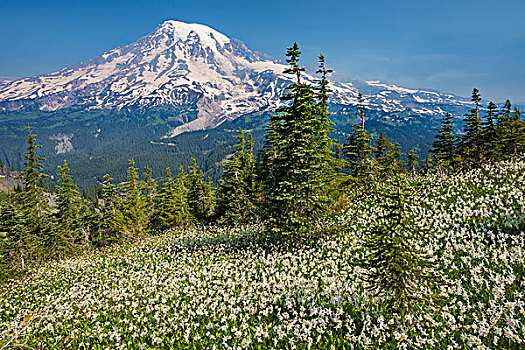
x=291 y=192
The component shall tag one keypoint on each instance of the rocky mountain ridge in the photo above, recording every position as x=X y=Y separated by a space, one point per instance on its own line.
x=204 y=76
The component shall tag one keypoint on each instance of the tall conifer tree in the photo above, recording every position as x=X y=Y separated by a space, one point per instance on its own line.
x=471 y=144
x=131 y=218
x=444 y=147
x=296 y=196
x=236 y=196
x=358 y=147
x=31 y=197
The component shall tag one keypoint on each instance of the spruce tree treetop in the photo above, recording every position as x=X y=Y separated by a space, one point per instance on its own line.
x=32 y=174
x=358 y=147
x=444 y=145
x=66 y=196
x=293 y=53
x=471 y=145
x=361 y=109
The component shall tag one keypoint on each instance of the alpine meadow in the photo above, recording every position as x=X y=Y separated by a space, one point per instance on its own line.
x=261 y=206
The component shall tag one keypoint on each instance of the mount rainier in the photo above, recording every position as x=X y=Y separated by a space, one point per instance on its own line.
x=194 y=68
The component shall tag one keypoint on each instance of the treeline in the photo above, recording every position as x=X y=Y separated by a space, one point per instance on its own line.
x=294 y=185
x=496 y=134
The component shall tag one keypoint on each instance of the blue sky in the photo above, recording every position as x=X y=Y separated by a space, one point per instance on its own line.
x=451 y=46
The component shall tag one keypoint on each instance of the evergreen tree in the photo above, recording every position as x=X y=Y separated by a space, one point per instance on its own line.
x=108 y=206
x=131 y=219
x=149 y=189
x=489 y=146
x=237 y=193
x=31 y=196
x=37 y=232
x=471 y=143
x=506 y=131
x=358 y=150
x=358 y=147
x=396 y=270
x=201 y=199
x=296 y=188
x=72 y=211
x=330 y=172
x=394 y=158
x=387 y=156
x=381 y=147
x=444 y=148
x=67 y=196
x=361 y=109
x=428 y=162
x=173 y=210
x=381 y=152
x=519 y=132
x=11 y=228
x=412 y=163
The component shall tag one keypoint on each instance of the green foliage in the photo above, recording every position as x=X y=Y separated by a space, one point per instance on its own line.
x=239 y=191
x=444 y=147
x=131 y=217
x=471 y=145
x=300 y=150
x=412 y=162
x=75 y=218
x=388 y=157
x=201 y=194
x=395 y=269
x=498 y=136
x=10 y=234
x=173 y=207
x=31 y=197
x=358 y=147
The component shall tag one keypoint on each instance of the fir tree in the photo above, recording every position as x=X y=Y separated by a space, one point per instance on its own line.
x=471 y=143
x=31 y=197
x=519 y=132
x=201 y=199
x=237 y=193
x=444 y=146
x=394 y=158
x=72 y=211
x=412 y=163
x=381 y=152
x=396 y=270
x=489 y=146
x=108 y=206
x=296 y=196
x=506 y=131
x=173 y=208
x=361 y=109
x=358 y=147
x=149 y=189
x=67 y=196
x=131 y=219
x=387 y=156
x=11 y=229
x=358 y=150
x=37 y=232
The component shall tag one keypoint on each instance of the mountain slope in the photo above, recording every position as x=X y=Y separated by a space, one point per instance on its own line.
x=142 y=100
x=193 y=68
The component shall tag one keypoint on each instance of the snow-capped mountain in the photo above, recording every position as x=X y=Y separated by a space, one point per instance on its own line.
x=191 y=65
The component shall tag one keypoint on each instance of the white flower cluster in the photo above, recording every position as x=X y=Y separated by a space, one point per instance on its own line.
x=224 y=289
